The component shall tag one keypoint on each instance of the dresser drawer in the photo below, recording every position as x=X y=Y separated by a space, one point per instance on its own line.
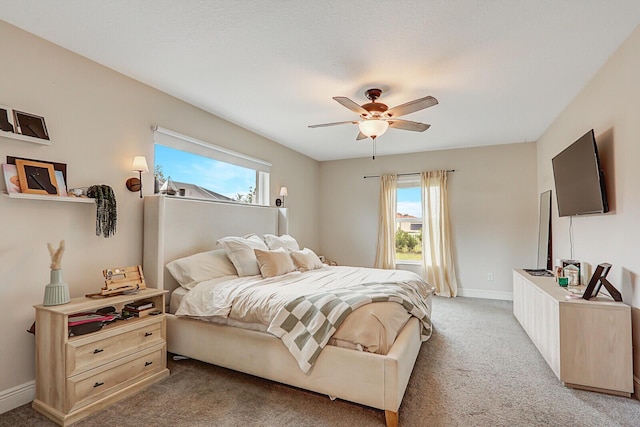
x=92 y=385
x=97 y=349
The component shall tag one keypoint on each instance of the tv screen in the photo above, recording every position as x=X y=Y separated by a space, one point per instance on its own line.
x=579 y=179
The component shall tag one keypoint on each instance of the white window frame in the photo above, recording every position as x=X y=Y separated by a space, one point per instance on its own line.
x=192 y=145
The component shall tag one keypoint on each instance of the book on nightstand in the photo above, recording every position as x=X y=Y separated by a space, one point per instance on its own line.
x=136 y=313
x=138 y=305
x=82 y=318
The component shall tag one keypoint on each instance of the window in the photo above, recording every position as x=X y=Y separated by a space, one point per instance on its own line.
x=408 y=221
x=196 y=169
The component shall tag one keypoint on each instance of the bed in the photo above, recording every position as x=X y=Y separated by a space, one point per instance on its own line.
x=177 y=227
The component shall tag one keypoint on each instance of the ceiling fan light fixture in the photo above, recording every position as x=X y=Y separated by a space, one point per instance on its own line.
x=373 y=128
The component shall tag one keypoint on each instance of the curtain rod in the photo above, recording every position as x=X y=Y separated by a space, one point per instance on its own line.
x=402 y=174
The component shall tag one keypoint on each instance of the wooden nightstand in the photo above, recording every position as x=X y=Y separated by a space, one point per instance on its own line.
x=79 y=375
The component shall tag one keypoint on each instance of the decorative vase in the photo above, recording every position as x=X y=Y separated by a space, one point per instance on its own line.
x=56 y=292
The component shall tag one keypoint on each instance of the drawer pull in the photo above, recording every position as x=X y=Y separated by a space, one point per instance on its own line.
x=147 y=363
x=148 y=334
x=98 y=350
x=97 y=385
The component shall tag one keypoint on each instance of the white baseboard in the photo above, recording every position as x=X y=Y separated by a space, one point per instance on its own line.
x=480 y=293
x=17 y=396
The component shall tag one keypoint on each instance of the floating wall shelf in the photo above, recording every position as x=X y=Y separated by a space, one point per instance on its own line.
x=27 y=138
x=50 y=198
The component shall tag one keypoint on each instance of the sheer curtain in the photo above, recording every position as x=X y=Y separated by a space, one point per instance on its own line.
x=437 y=253
x=386 y=250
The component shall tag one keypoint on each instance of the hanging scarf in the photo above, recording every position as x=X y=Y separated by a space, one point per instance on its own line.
x=106 y=213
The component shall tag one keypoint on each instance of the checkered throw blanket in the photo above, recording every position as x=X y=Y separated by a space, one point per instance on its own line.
x=306 y=324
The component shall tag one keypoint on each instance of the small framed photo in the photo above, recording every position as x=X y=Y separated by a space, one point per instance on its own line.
x=37 y=178
x=30 y=125
x=11 y=178
x=62 y=185
x=6 y=119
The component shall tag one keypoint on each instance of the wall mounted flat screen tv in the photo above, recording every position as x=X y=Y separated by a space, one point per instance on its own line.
x=579 y=179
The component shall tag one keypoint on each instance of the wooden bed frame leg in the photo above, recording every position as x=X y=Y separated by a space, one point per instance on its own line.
x=391 y=418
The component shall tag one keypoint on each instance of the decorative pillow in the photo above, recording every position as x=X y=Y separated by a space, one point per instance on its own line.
x=193 y=269
x=306 y=260
x=284 y=241
x=274 y=263
x=240 y=252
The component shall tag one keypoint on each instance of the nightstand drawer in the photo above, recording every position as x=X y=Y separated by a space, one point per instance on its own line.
x=85 y=354
x=92 y=385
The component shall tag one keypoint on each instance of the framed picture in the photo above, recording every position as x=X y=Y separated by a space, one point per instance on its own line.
x=37 y=178
x=60 y=167
x=598 y=280
x=11 y=178
x=6 y=119
x=30 y=125
x=62 y=185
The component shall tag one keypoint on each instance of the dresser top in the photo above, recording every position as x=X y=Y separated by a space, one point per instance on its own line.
x=82 y=304
x=549 y=286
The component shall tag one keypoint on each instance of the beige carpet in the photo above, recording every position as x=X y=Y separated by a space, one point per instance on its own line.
x=478 y=369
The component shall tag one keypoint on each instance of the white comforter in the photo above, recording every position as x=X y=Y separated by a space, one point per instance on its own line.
x=256 y=300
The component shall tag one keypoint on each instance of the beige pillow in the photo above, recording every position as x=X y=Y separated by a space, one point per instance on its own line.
x=306 y=260
x=274 y=263
x=240 y=252
x=284 y=241
x=193 y=269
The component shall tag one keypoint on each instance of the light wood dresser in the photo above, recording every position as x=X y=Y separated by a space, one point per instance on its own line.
x=79 y=375
x=587 y=344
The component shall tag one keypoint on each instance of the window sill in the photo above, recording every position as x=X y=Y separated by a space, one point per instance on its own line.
x=408 y=262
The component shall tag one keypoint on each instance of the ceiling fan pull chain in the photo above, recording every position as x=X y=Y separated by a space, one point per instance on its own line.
x=374 y=148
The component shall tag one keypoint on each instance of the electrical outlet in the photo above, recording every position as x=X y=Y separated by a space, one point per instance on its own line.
x=490 y=277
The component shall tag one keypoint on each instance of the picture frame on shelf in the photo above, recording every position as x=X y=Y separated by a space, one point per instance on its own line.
x=62 y=167
x=62 y=185
x=11 y=179
x=6 y=119
x=37 y=178
x=30 y=125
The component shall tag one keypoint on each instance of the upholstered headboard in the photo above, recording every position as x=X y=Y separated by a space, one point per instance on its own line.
x=175 y=227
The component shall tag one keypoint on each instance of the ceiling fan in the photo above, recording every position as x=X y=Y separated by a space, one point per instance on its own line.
x=376 y=117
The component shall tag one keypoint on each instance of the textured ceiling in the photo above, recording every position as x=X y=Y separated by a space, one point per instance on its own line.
x=501 y=69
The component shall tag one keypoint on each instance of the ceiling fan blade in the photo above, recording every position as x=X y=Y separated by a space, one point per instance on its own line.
x=408 y=125
x=351 y=122
x=412 y=106
x=351 y=105
x=361 y=136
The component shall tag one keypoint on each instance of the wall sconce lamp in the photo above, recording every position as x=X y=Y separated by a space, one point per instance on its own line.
x=283 y=193
x=139 y=165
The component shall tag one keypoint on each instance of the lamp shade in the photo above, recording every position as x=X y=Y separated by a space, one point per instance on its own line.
x=140 y=164
x=283 y=191
x=373 y=128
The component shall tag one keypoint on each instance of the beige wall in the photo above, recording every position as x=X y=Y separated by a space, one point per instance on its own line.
x=609 y=105
x=98 y=120
x=493 y=206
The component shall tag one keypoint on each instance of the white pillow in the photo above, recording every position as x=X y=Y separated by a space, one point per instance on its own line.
x=193 y=269
x=306 y=260
x=274 y=263
x=240 y=252
x=284 y=241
